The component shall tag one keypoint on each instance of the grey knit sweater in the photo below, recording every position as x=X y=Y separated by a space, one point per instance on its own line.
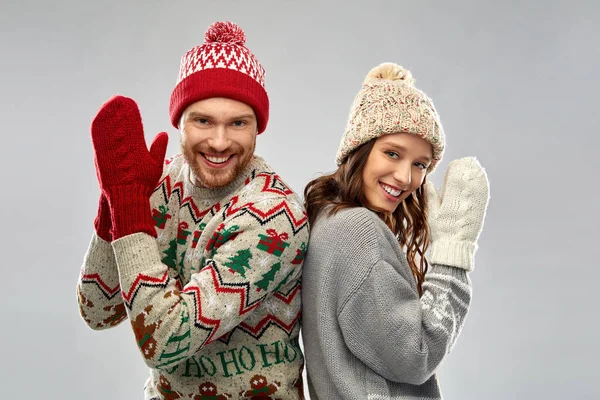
x=366 y=332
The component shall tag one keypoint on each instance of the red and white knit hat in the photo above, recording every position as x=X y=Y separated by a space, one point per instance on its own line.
x=221 y=67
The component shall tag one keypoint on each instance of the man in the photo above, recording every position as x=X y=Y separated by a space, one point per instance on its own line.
x=204 y=257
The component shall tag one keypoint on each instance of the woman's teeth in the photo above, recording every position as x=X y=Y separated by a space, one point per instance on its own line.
x=391 y=191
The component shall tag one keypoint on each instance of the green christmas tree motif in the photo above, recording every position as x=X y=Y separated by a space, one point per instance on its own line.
x=170 y=258
x=268 y=277
x=284 y=281
x=239 y=261
x=181 y=266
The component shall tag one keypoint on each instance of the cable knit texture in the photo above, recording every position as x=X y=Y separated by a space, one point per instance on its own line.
x=456 y=219
x=127 y=171
x=388 y=103
x=102 y=222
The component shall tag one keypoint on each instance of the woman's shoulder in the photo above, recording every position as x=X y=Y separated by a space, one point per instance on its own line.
x=354 y=218
x=355 y=226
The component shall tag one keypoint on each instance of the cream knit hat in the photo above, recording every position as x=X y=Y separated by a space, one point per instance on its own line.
x=390 y=103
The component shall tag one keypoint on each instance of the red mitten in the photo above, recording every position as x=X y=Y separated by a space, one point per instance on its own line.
x=127 y=171
x=103 y=223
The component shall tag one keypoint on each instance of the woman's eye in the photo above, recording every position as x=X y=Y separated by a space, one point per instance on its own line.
x=421 y=166
x=391 y=154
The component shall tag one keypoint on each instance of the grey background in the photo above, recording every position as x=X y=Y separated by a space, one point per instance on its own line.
x=516 y=84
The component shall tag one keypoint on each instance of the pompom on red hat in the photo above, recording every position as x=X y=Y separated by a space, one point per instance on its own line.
x=221 y=67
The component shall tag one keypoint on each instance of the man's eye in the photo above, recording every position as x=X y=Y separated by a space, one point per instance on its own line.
x=201 y=121
x=239 y=123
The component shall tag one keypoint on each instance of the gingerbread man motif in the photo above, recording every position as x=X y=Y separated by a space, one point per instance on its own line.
x=143 y=333
x=299 y=384
x=164 y=387
x=209 y=391
x=84 y=302
x=173 y=293
x=261 y=388
x=118 y=314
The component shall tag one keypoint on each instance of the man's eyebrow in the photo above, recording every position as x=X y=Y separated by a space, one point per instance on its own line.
x=197 y=114
x=200 y=114
x=243 y=116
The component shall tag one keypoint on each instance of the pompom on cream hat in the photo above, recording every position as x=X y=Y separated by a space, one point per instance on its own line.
x=387 y=103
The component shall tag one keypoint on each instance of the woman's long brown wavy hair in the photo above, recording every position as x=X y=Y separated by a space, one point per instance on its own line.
x=344 y=189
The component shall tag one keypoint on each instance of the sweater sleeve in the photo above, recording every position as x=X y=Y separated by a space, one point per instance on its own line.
x=250 y=255
x=400 y=336
x=98 y=291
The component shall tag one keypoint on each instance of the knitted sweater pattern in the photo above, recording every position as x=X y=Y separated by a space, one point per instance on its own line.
x=214 y=301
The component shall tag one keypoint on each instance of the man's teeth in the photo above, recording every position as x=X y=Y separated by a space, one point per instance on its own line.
x=393 y=192
x=216 y=160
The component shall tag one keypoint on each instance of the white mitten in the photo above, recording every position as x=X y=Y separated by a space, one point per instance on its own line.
x=456 y=219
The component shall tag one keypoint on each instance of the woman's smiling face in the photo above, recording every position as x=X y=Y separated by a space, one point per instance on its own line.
x=396 y=167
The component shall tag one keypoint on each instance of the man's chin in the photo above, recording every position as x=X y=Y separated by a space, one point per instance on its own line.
x=212 y=180
x=203 y=176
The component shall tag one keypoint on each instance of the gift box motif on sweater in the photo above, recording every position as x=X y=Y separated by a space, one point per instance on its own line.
x=273 y=242
x=300 y=254
x=197 y=234
x=161 y=216
x=182 y=233
x=220 y=236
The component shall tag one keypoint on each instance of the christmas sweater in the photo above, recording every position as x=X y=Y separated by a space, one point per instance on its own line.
x=367 y=333
x=214 y=301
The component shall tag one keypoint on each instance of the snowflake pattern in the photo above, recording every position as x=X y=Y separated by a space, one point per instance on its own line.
x=264 y=262
x=271 y=306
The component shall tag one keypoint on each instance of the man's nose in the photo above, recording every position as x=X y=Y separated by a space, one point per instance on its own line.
x=219 y=140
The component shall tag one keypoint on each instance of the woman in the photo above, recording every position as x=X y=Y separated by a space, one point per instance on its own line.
x=378 y=318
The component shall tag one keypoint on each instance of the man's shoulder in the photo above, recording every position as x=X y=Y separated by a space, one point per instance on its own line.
x=172 y=168
x=171 y=178
x=268 y=187
x=173 y=164
x=267 y=199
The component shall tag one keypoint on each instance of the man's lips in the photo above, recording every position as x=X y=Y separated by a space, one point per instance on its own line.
x=217 y=161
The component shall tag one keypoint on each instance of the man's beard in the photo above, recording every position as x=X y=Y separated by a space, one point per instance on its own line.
x=214 y=178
